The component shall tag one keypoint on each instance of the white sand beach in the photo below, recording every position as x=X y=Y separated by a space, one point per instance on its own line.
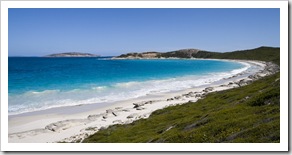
x=67 y=124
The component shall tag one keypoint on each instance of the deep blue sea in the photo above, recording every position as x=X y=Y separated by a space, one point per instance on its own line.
x=37 y=83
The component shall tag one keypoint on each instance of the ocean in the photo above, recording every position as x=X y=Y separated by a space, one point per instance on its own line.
x=39 y=83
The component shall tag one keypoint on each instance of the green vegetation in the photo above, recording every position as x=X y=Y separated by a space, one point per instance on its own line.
x=129 y=54
x=186 y=53
x=261 y=53
x=246 y=114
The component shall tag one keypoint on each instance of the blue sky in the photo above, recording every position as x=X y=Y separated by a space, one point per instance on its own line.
x=109 y=32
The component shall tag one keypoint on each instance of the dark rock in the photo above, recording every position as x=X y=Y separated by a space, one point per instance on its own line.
x=149 y=102
x=230 y=83
x=104 y=116
x=209 y=89
x=136 y=105
x=115 y=113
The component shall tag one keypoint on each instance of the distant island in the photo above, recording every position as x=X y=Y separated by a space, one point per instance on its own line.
x=72 y=54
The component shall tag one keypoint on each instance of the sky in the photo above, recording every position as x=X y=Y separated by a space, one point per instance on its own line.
x=112 y=31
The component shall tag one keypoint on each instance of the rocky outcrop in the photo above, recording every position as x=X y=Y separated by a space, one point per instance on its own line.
x=144 y=55
x=269 y=69
x=208 y=89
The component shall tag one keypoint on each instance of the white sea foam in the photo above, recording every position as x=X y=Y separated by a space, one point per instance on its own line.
x=99 y=88
x=35 y=101
x=41 y=92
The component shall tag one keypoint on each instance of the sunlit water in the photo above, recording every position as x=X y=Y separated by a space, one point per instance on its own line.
x=37 y=83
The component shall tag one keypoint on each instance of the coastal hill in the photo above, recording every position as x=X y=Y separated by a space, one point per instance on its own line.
x=72 y=54
x=261 y=53
x=183 y=53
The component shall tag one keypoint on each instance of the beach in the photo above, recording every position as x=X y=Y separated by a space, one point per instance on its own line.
x=74 y=123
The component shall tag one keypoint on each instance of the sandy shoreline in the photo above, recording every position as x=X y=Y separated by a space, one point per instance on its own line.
x=77 y=122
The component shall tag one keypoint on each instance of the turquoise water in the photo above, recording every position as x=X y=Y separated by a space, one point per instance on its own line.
x=37 y=83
